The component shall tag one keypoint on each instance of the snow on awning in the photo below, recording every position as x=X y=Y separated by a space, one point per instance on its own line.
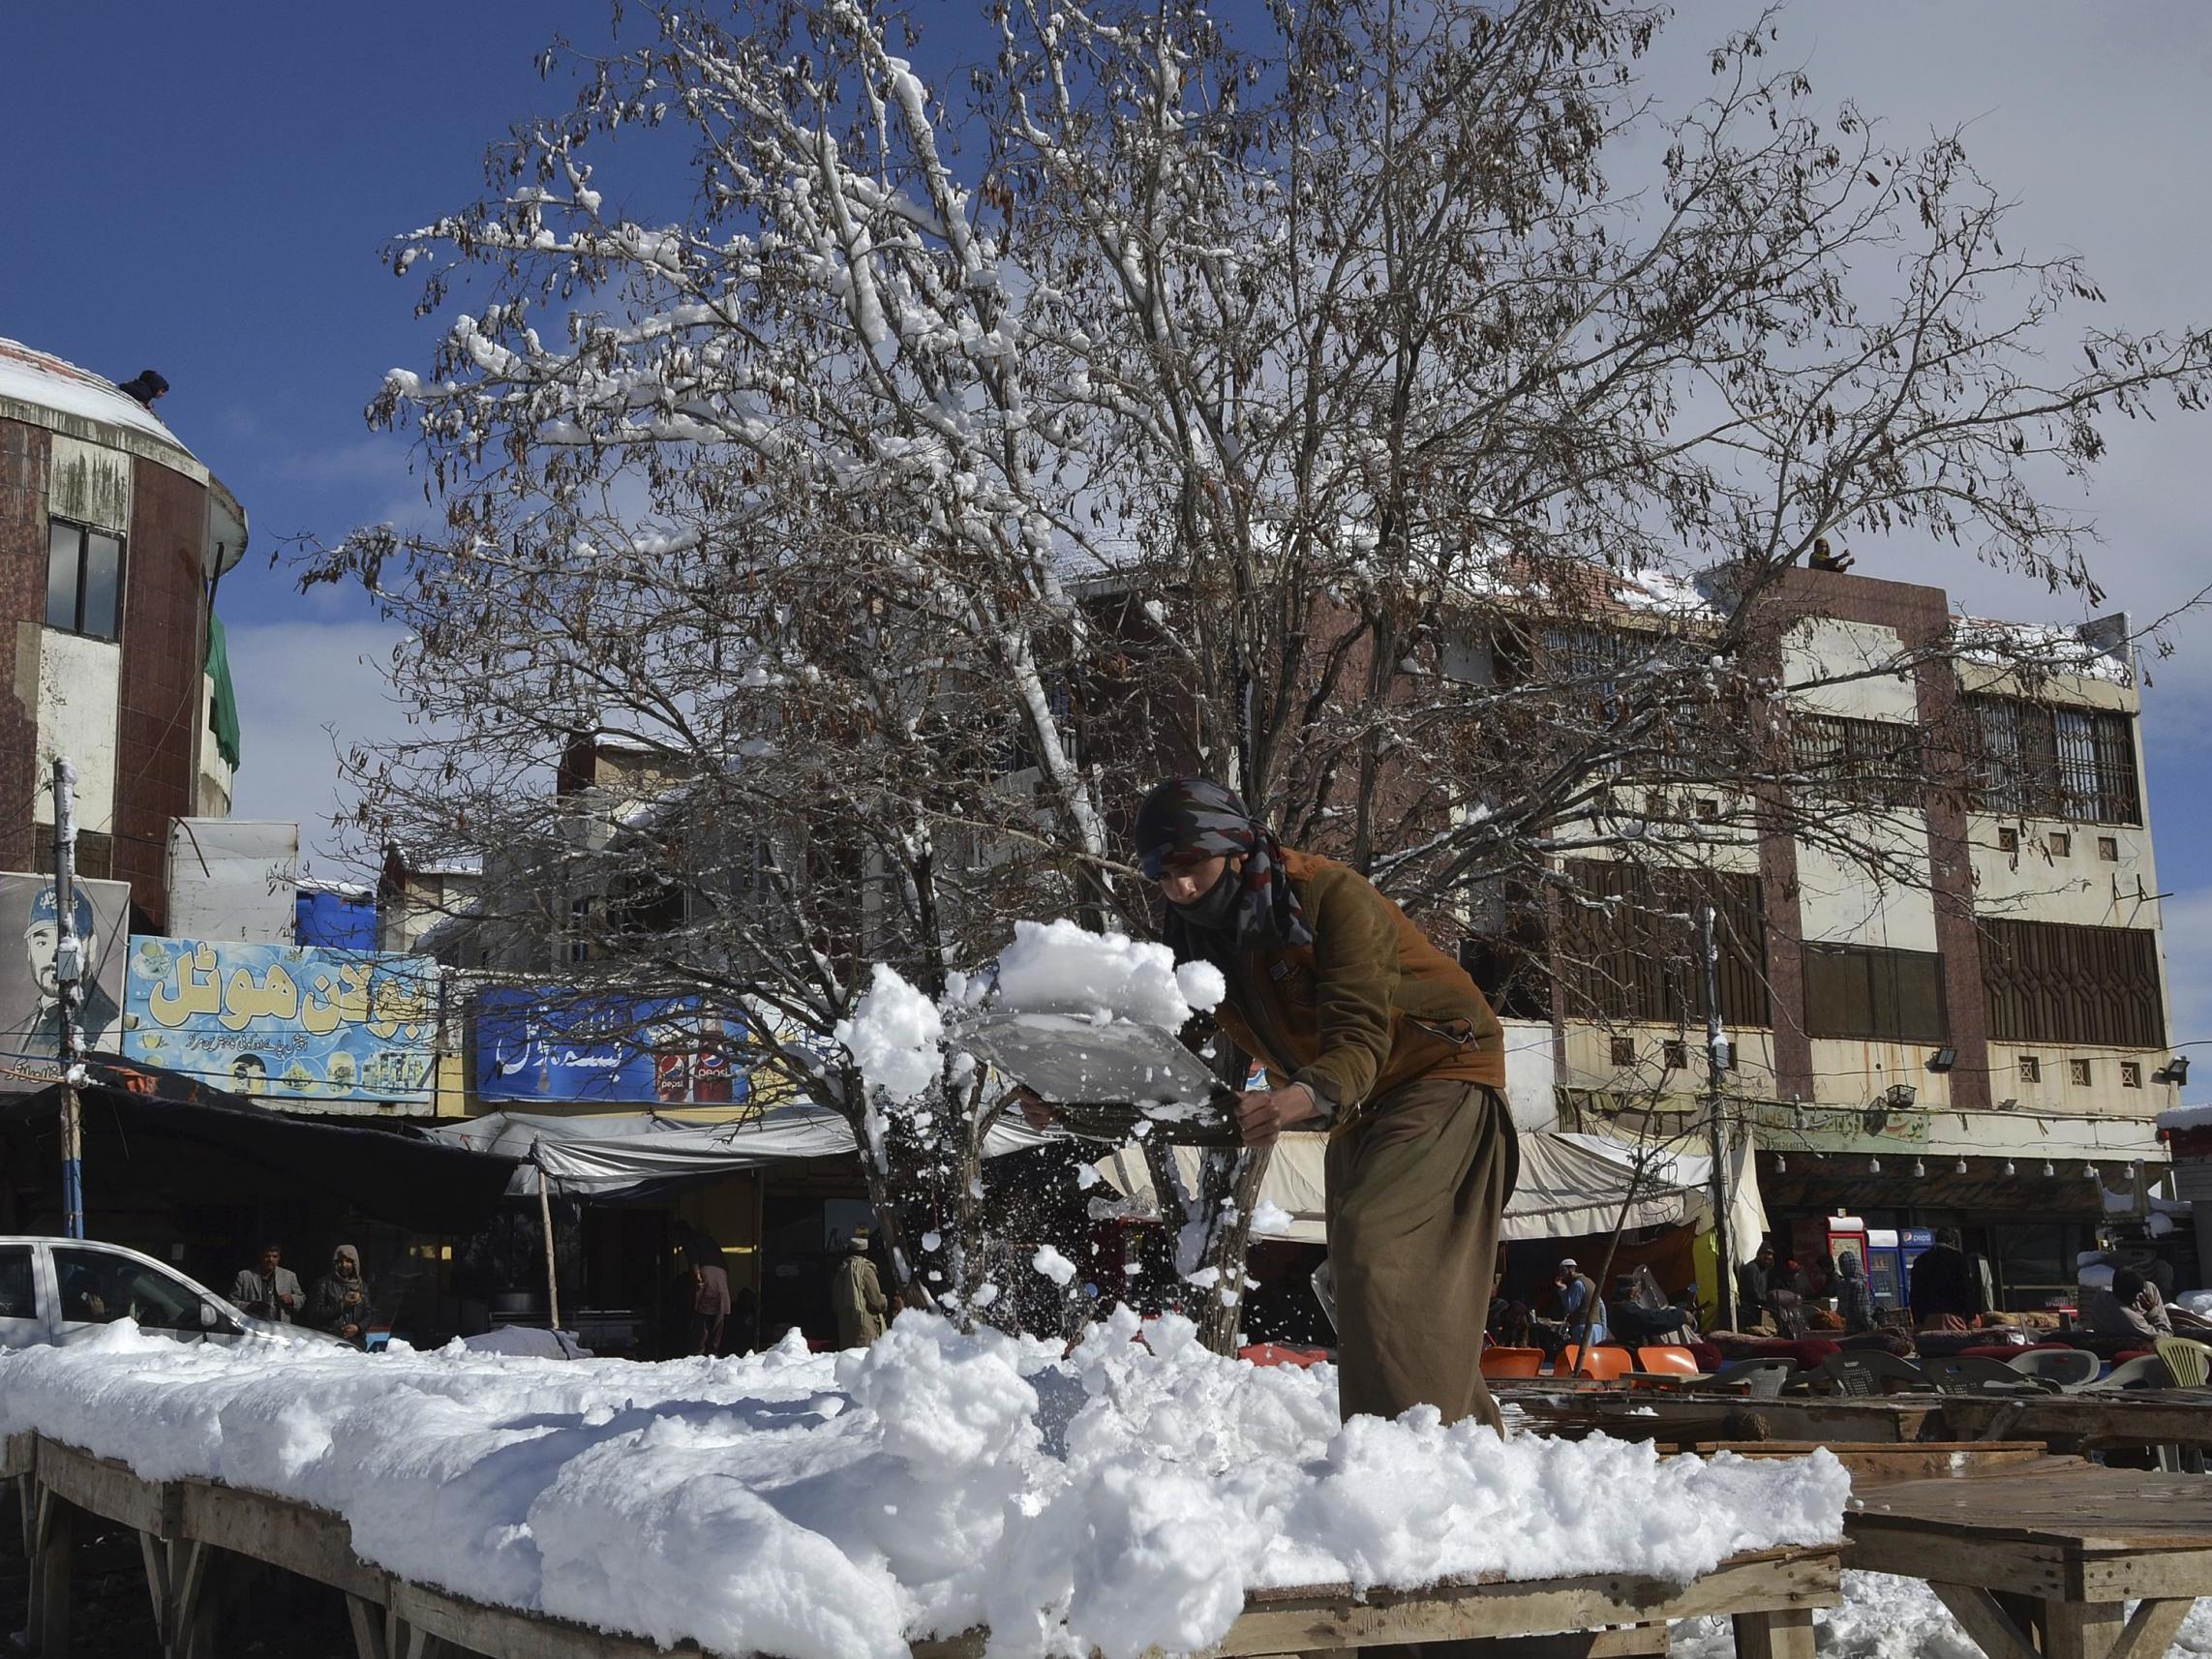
x=1570 y=1185
x=612 y=1154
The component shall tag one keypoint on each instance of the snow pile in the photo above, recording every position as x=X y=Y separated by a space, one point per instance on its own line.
x=1063 y=967
x=895 y=1037
x=839 y=1507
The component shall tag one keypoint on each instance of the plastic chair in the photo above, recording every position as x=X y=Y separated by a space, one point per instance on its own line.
x=2070 y=1367
x=1277 y=1353
x=1512 y=1362
x=1960 y=1374
x=1664 y=1359
x=1762 y=1378
x=2145 y=1371
x=1605 y=1364
x=1866 y=1372
x=2189 y=1363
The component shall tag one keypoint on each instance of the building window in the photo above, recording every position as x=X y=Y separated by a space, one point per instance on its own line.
x=2061 y=844
x=2050 y=982
x=2031 y=1069
x=2009 y=842
x=2108 y=849
x=2041 y=761
x=1623 y=1051
x=1875 y=763
x=1894 y=996
x=2077 y=1073
x=85 y=581
x=579 y=930
x=1674 y=1053
x=2131 y=1074
x=1629 y=946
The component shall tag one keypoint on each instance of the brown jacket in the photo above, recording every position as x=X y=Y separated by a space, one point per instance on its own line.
x=1367 y=1008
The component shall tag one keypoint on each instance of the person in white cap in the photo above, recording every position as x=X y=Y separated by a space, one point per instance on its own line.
x=1578 y=1290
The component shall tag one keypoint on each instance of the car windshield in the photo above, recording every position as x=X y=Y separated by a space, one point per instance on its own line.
x=97 y=1288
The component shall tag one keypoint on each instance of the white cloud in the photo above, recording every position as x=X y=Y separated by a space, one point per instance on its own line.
x=2188 y=918
x=307 y=690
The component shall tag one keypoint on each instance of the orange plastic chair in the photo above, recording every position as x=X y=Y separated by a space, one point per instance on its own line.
x=1606 y=1364
x=1667 y=1361
x=1512 y=1362
x=1274 y=1353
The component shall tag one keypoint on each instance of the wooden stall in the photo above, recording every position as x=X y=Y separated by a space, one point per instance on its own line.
x=2038 y=1561
x=188 y=1530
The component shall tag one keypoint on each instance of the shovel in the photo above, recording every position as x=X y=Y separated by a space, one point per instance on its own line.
x=1106 y=1079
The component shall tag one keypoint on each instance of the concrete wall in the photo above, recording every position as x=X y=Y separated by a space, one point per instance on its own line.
x=80 y=685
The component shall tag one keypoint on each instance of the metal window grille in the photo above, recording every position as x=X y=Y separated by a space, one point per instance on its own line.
x=1633 y=950
x=2047 y=982
x=1876 y=763
x=2041 y=761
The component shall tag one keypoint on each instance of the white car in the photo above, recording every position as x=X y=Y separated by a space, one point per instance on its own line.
x=57 y=1291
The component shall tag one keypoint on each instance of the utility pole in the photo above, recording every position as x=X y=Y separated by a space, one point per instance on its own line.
x=1716 y=1060
x=69 y=971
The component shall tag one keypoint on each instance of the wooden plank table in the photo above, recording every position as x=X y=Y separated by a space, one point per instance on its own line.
x=2085 y=1422
x=1872 y=1465
x=1688 y=1419
x=2041 y=1558
x=189 y=1529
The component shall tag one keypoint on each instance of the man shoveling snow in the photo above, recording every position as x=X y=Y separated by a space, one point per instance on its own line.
x=1364 y=1027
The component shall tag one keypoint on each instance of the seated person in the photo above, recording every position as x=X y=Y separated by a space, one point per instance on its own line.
x=2129 y=1307
x=1642 y=1312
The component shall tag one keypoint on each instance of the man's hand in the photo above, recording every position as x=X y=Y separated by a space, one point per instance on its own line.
x=1262 y=1114
x=1034 y=1111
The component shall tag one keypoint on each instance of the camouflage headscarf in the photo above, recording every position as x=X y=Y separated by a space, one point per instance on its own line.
x=1196 y=815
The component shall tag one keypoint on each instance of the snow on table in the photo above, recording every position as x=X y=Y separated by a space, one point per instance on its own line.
x=828 y=1507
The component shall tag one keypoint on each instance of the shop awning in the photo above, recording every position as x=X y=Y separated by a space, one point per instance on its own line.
x=157 y=1133
x=624 y=1155
x=1571 y=1184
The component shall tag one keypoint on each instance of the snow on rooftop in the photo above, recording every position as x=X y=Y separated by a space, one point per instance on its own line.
x=39 y=377
x=2186 y=1117
x=331 y=884
x=421 y=863
x=2046 y=648
x=1121 y=1498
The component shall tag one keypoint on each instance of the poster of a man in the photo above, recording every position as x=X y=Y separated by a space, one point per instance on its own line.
x=30 y=991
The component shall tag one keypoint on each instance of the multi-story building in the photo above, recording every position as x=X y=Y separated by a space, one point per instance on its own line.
x=112 y=538
x=1976 y=1033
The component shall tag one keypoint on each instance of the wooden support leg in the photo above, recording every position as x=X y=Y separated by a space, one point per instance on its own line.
x=368 y=1622
x=1783 y=1634
x=56 y=1546
x=178 y=1574
x=2082 y=1630
x=1995 y=1627
x=2151 y=1632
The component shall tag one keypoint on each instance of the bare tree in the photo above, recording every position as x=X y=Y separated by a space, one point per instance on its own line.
x=1390 y=408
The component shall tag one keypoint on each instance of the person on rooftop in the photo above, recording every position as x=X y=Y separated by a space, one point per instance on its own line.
x=1370 y=1032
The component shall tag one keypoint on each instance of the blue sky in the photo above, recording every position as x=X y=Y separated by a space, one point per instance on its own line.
x=204 y=191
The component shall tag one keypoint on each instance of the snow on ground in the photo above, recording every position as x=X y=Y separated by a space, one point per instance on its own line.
x=1886 y=1617
x=832 y=1507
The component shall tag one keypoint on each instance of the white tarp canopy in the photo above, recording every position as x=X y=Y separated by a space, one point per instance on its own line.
x=1571 y=1184
x=603 y=1155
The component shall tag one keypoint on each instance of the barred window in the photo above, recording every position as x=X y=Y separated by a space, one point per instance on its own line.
x=1890 y=996
x=1877 y=763
x=2041 y=762
x=1634 y=950
x=2047 y=982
